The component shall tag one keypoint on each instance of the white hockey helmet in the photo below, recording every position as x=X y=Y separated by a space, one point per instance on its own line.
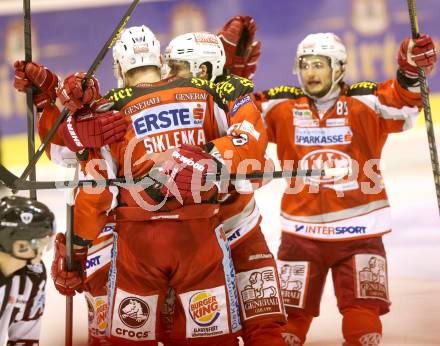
x=323 y=44
x=197 y=48
x=137 y=46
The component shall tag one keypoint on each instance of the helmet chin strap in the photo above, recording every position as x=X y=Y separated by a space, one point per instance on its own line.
x=121 y=82
x=331 y=91
x=118 y=74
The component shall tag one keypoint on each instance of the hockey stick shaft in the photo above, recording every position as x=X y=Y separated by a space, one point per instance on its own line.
x=69 y=299
x=29 y=94
x=426 y=104
x=13 y=182
x=98 y=60
x=278 y=174
x=70 y=203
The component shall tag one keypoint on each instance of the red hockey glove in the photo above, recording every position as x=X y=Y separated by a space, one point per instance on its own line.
x=250 y=66
x=93 y=127
x=28 y=74
x=417 y=53
x=182 y=172
x=68 y=282
x=71 y=94
x=241 y=49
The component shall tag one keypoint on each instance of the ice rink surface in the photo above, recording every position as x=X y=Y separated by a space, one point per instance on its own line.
x=413 y=250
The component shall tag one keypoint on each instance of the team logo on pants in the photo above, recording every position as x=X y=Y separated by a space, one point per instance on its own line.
x=206 y=312
x=259 y=292
x=133 y=312
x=371 y=276
x=293 y=279
x=98 y=314
x=101 y=307
x=204 y=309
x=133 y=317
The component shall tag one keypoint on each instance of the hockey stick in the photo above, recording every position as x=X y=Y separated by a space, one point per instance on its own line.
x=426 y=105
x=29 y=97
x=70 y=204
x=99 y=58
x=13 y=182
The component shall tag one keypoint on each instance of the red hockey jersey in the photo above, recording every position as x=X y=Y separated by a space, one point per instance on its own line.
x=350 y=134
x=161 y=116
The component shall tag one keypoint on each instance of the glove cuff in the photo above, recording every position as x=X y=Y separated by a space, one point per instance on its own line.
x=406 y=80
x=77 y=240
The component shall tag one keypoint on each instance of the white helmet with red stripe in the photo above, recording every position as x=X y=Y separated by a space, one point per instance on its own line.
x=137 y=46
x=197 y=48
x=323 y=44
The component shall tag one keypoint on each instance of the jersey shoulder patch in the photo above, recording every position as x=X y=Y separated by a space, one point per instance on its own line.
x=362 y=88
x=217 y=93
x=283 y=92
x=201 y=83
x=120 y=96
x=234 y=87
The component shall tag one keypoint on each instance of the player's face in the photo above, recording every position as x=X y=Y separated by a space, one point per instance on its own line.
x=203 y=72
x=316 y=74
x=30 y=249
x=22 y=249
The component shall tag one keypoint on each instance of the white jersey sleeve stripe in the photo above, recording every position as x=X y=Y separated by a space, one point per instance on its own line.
x=408 y=114
x=62 y=156
x=112 y=171
x=221 y=119
x=268 y=105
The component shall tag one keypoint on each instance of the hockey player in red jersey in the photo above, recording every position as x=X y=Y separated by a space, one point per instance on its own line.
x=241 y=58
x=163 y=117
x=26 y=229
x=189 y=56
x=337 y=223
x=87 y=129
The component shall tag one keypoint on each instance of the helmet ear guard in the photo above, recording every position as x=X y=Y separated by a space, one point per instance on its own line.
x=198 y=48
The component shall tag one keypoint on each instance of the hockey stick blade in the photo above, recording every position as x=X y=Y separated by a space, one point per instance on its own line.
x=7 y=178
x=13 y=182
